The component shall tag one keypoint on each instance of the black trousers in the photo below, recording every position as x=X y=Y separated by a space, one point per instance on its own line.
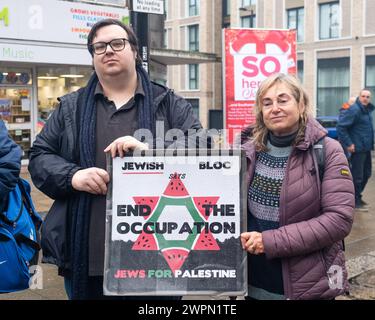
x=361 y=172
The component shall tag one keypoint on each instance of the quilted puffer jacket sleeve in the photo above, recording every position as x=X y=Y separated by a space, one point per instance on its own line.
x=332 y=225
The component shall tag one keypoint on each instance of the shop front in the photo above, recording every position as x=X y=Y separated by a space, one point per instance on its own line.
x=43 y=56
x=28 y=95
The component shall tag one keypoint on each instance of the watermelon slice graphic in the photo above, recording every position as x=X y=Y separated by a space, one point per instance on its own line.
x=176 y=188
x=174 y=254
x=145 y=241
x=175 y=257
x=206 y=241
x=150 y=201
x=201 y=201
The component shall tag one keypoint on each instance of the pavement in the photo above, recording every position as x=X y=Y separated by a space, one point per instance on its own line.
x=359 y=252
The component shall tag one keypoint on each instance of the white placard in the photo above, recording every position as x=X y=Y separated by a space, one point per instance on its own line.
x=173 y=225
x=149 y=6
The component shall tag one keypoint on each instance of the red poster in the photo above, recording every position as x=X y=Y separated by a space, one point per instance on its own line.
x=251 y=56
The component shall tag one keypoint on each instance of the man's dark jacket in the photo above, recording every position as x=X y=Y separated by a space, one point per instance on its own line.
x=355 y=127
x=54 y=159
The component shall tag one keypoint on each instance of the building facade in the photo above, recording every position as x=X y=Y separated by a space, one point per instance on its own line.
x=196 y=26
x=335 y=46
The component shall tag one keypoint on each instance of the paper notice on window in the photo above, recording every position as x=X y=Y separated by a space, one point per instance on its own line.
x=25 y=103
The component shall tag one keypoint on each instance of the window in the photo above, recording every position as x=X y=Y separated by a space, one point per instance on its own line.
x=193 y=76
x=370 y=78
x=166 y=9
x=195 y=104
x=193 y=8
x=370 y=74
x=54 y=82
x=226 y=8
x=333 y=85
x=296 y=21
x=246 y=3
x=300 y=70
x=165 y=38
x=329 y=25
x=193 y=38
x=248 y=21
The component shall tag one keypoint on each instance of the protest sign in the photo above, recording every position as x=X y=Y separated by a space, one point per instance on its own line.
x=252 y=55
x=173 y=225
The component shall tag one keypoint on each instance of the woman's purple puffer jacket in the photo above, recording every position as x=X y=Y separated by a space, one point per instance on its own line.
x=314 y=218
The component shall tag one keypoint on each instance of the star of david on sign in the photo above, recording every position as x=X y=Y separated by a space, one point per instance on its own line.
x=176 y=251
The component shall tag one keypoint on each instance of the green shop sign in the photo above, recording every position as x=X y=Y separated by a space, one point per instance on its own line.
x=17 y=54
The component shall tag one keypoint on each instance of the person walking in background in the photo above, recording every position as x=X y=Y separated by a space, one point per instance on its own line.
x=345 y=106
x=296 y=223
x=356 y=133
x=10 y=164
x=67 y=159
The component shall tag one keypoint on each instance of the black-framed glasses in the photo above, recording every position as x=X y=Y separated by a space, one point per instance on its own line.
x=116 y=45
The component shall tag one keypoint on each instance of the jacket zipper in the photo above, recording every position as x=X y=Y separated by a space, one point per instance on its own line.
x=284 y=261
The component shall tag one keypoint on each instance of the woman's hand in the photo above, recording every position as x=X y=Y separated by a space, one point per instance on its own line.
x=252 y=242
x=125 y=144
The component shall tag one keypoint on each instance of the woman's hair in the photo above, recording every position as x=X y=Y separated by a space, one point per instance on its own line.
x=133 y=41
x=260 y=131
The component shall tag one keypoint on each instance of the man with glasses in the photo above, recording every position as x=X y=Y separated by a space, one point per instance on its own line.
x=67 y=160
x=356 y=133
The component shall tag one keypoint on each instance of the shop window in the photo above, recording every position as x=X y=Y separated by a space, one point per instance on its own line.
x=16 y=104
x=15 y=111
x=54 y=83
x=23 y=138
x=14 y=76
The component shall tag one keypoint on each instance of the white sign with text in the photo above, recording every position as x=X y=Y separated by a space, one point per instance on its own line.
x=149 y=6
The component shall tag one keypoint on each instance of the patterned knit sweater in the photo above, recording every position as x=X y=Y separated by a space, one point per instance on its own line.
x=265 y=276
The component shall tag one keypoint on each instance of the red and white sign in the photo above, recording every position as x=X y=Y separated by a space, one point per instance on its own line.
x=251 y=56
